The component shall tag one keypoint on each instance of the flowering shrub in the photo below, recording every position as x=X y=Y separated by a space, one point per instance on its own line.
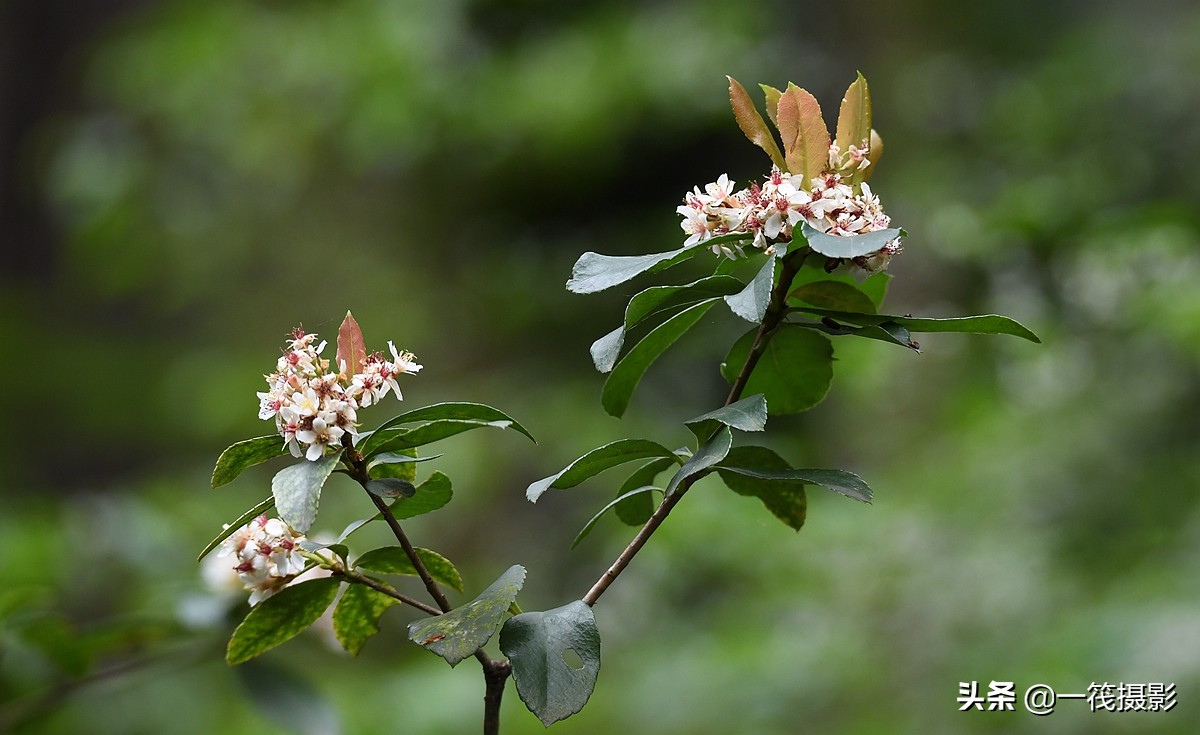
x=817 y=241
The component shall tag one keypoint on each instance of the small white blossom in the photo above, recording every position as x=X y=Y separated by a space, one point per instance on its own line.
x=266 y=556
x=314 y=408
x=768 y=213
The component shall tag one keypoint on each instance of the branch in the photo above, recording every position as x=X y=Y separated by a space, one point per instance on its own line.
x=776 y=309
x=495 y=673
x=358 y=470
x=356 y=578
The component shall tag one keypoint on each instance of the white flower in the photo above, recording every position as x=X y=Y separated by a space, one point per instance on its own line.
x=266 y=555
x=324 y=432
x=768 y=214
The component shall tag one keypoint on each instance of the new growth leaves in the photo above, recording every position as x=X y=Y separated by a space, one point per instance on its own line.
x=805 y=138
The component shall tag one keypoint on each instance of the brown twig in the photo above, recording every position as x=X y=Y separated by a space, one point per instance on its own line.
x=772 y=318
x=495 y=672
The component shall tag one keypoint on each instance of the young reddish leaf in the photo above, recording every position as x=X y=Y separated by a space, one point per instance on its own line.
x=752 y=123
x=854 y=125
x=773 y=96
x=805 y=137
x=874 y=155
x=351 y=350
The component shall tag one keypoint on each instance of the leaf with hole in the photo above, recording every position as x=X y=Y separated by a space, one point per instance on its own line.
x=555 y=657
x=455 y=635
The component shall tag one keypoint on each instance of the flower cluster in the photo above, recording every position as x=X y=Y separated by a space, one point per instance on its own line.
x=268 y=556
x=314 y=407
x=769 y=211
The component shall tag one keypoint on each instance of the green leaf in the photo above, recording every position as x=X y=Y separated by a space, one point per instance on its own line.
x=596 y=461
x=399 y=439
x=836 y=295
x=297 y=490
x=393 y=560
x=351 y=350
x=356 y=617
x=772 y=99
x=242 y=520
x=784 y=498
x=709 y=453
x=752 y=123
x=397 y=465
x=594 y=272
x=794 y=372
x=432 y=494
x=450 y=410
x=623 y=380
x=889 y=332
x=748 y=414
x=280 y=617
x=587 y=528
x=848 y=246
x=537 y=642
x=390 y=487
x=854 y=125
x=456 y=634
x=655 y=300
x=635 y=510
x=874 y=287
x=751 y=302
x=982 y=324
x=805 y=136
x=246 y=454
x=839 y=481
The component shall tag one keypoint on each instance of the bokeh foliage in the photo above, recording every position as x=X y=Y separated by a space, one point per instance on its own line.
x=228 y=170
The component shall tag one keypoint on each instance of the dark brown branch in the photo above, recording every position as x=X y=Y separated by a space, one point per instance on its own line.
x=776 y=309
x=495 y=673
x=358 y=470
x=355 y=577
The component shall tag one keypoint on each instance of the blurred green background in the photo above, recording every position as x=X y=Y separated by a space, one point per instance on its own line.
x=182 y=182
